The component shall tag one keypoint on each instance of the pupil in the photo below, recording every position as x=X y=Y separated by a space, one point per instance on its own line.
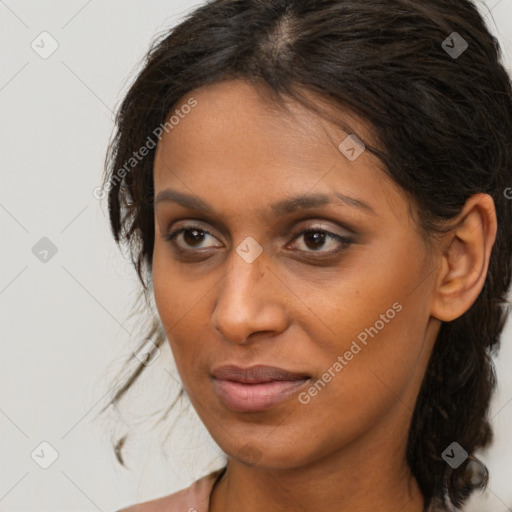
x=191 y=240
x=319 y=239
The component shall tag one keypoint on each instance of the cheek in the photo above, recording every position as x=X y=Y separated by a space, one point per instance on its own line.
x=374 y=319
x=165 y=290
x=175 y=296
x=180 y=308
x=351 y=395
x=371 y=296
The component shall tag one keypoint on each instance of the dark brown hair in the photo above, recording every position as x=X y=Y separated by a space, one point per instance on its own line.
x=443 y=126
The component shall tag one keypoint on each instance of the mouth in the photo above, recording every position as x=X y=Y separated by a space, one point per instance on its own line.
x=257 y=388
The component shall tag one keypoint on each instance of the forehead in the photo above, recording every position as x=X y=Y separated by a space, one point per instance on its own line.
x=251 y=116
x=236 y=139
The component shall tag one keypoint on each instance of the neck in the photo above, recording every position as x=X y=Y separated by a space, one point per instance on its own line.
x=366 y=480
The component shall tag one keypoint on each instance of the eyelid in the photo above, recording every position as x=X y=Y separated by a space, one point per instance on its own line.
x=285 y=232
x=345 y=222
x=322 y=225
x=170 y=236
x=343 y=241
x=206 y=224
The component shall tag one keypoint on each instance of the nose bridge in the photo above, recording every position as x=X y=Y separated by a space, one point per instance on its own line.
x=244 y=277
x=245 y=301
x=239 y=294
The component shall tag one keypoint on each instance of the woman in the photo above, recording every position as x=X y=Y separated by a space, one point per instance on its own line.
x=316 y=194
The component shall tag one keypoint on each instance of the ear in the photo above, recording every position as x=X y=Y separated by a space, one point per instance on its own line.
x=464 y=259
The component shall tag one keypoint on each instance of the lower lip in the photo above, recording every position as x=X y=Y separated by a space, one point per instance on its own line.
x=241 y=397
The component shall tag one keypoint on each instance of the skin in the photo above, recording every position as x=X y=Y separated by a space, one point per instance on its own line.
x=292 y=308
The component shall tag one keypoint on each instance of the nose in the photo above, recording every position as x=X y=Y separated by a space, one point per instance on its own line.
x=249 y=300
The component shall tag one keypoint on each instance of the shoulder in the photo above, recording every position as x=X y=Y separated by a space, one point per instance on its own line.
x=194 y=498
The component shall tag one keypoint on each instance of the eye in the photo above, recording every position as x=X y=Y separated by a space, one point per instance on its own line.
x=315 y=239
x=191 y=236
x=188 y=238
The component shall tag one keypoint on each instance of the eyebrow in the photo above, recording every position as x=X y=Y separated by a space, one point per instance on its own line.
x=283 y=207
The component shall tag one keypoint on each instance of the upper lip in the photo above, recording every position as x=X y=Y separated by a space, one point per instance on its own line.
x=256 y=374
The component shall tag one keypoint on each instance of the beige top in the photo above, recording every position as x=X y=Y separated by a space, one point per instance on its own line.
x=195 y=498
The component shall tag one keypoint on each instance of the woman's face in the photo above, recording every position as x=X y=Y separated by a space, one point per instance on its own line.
x=345 y=307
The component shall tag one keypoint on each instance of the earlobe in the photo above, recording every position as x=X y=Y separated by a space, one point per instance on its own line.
x=464 y=258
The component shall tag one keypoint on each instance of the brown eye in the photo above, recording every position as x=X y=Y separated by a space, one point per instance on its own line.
x=192 y=237
x=315 y=239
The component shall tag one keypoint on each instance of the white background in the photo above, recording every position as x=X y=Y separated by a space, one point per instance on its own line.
x=67 y=325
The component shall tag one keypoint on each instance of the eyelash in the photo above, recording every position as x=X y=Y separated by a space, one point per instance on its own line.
x=344 y=241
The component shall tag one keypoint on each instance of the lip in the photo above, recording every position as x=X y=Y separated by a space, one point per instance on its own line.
x=257 y=388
